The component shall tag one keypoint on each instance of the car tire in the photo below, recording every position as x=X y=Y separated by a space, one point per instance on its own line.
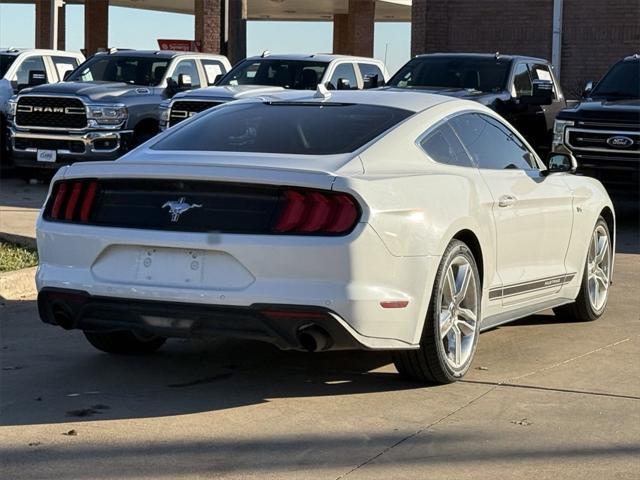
x=455 y=305
x=125 y=342
x=590 y=305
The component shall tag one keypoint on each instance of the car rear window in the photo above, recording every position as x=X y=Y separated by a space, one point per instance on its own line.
x=284 y=127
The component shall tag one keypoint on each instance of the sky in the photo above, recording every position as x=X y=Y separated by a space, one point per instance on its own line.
x=131 y=28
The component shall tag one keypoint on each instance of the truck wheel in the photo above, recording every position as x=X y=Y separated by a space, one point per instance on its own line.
x=125 y=342
x=596 y=279
x=451 y=329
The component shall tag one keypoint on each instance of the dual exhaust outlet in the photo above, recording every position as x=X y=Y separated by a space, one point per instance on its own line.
x=311 y=337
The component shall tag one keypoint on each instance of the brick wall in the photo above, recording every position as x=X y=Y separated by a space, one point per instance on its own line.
x=96 y=26
x=341 y=33
x=207 y=24
x=361 y=25
x=508 y=26
x=353 y=31
x=43 y=25
x=596 y=33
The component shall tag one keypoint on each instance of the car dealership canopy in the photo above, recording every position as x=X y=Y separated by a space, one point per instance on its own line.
x=353 y=20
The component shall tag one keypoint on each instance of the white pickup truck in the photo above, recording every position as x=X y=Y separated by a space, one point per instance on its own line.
x=267 y=73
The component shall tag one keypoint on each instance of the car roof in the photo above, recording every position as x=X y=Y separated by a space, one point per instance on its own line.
x=311 y=57
x=405 y=100
x=484 y=55
x=42 y=51
x=156 y=53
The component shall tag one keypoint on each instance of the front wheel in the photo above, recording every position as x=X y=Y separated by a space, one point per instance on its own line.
x=596 y=279
x=451 y=329
x=125 y=342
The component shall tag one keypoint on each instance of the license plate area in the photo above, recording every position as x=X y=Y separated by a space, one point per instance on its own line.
x=171 y=267
x=47 y=156
x=185 y=266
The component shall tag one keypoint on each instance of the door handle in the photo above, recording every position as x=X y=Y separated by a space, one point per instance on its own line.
x=506 y=200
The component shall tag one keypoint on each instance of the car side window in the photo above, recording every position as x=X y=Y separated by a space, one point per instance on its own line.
x=370 y=71
x=542 y=72
x=443 y=145
x=522 y=80
x=491 y=144
x=31 y=64
x=187 y=67
x=64 y=65
x=212 y=68
x=344 y=71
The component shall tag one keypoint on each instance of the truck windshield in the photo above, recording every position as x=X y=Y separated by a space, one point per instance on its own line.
x=481 y=74
x=293 y=74
x=144 y=71
x=5 y=62
x=622 y=81
x=296 y=128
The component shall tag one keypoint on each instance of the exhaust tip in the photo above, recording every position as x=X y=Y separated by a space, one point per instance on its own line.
x=62 y=316
x=313 y=338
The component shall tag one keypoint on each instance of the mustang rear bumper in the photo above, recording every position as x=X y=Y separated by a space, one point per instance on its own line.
x=289 y=327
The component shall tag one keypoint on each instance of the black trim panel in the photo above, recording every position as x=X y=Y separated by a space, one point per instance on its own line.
x=278 y=324
x=531 y=286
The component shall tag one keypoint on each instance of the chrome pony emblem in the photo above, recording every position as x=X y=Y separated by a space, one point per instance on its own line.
x=178 y=207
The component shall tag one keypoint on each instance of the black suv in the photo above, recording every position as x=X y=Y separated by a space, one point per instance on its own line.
x=603 y=130
x=521 y=89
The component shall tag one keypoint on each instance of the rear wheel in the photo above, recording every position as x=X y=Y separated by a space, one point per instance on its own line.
x=451 y=329
x=596 y=279
x=125 y=342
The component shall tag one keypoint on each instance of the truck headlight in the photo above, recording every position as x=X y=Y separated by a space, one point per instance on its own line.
x=164 y=116
x=106 y=115
x=12 y=106
x=558 y=130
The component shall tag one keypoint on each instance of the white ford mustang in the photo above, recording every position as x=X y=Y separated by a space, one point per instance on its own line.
x=370 y=220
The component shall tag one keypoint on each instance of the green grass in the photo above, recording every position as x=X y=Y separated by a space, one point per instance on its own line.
x=15 y=257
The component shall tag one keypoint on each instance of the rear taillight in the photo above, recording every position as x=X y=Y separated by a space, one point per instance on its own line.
x=72 y=200
x=313 y=212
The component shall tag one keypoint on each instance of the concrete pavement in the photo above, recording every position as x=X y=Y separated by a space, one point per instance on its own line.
x=544 y=399
x=19 y=206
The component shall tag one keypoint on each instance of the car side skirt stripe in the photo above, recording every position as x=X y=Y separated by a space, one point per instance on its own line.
x=532 y=286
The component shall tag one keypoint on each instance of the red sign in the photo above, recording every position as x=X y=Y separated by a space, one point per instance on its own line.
x=180 y=45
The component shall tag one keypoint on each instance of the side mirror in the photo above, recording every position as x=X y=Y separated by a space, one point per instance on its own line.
x=172 y=87
x=561 y=163
x=370 y=81
x=217 y=79
x=343 y=84
x=588 y=87
x=184 y=81
x=66 y=75
x=37 y=77
x=542 y=93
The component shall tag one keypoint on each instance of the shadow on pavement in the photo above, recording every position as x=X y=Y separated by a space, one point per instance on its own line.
x=275 y=455
x=60 y=378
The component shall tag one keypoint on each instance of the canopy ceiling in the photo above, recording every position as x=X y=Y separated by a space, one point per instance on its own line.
x=300 y=10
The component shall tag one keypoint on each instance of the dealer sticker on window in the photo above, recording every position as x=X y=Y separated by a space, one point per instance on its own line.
x=47 y=156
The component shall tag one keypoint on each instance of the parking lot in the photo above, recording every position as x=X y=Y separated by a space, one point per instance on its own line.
x=542 y=397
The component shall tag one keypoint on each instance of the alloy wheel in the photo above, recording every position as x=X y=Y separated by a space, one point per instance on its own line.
x=458 y=316
x=599 y=268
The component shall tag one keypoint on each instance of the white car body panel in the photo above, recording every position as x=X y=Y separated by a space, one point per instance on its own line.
x=411 y=209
